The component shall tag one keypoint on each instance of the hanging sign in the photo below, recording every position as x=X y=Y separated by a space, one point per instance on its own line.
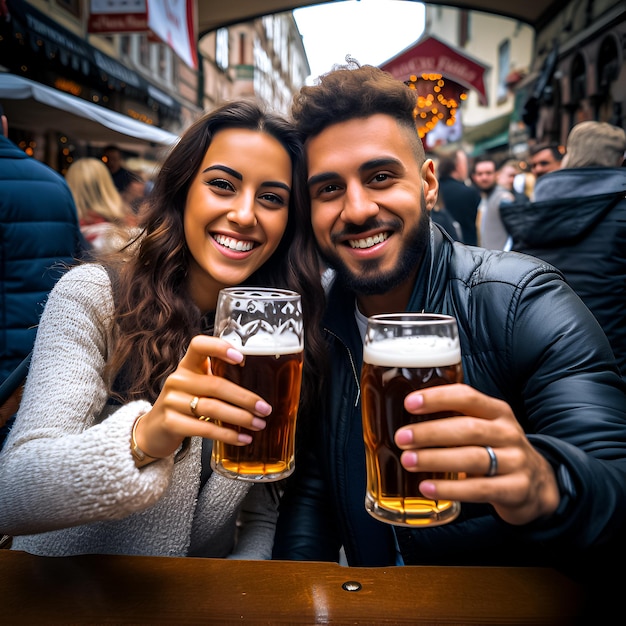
x=171 y=22
x=117 y=16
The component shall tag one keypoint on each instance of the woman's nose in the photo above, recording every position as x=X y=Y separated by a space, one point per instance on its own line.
x=244 y=213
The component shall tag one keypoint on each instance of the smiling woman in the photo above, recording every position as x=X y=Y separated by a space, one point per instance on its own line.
x=123 y=351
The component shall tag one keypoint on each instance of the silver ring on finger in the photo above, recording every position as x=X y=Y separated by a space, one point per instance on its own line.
x=493 y=462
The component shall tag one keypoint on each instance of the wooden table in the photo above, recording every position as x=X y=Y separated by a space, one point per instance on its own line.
x=99 y=589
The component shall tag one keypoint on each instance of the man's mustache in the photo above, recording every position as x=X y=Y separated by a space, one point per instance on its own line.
x=354 y=230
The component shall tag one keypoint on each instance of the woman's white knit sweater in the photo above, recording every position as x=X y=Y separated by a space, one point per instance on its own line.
x=68 y=482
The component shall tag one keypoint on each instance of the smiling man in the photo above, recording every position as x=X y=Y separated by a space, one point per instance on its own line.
x=541 y=388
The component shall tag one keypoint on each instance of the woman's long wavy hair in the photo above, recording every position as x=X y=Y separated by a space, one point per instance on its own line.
x=155 y=318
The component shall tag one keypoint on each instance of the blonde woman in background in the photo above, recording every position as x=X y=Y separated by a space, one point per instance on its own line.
x=104 y=217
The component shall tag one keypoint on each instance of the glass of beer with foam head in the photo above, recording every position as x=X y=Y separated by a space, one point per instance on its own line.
x=266 y=326
x=404 y=352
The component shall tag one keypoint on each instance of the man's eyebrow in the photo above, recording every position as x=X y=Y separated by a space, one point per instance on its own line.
x=322 y=178
x=364 y=167
x=238 y=176
x=381 y=162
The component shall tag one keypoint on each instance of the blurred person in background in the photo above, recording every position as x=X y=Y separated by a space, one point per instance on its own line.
x=105 y=219
x=544 y=158
x=507 y=173
x=461 y=200
x=441 y=216
x=135 y=192
x=40 y=237
x=577 y=222
x=492 y=233
x=112 y=157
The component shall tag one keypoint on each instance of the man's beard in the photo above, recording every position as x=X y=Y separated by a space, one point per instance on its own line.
x=371 y=281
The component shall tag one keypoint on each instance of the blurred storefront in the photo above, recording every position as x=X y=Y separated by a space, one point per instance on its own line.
x=579 y=73
x=65 y=97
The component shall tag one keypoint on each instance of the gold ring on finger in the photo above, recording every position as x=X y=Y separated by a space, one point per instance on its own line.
x=193 y=405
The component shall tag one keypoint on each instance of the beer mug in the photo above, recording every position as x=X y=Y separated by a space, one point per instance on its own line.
x=404 y=352
x=266 y=326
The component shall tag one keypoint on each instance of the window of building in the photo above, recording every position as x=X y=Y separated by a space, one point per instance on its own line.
x=71 y=6
x=144 y=52
x=242 y=48
x=221 y=48
x=164 y=63
x=125 y=45
x=464 y=27
x=504 y=66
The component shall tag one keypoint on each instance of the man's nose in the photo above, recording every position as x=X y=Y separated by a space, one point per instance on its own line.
x=359 y=205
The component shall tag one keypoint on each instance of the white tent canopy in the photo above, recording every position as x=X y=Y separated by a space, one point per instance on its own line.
x=49 y=109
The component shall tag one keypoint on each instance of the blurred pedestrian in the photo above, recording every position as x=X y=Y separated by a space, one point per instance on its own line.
x=577 y=223
x=544 y=158
x=492 y=233
x=507 y=173
x=106 y=221
x=441 y=216
x=112 y=157
x=40 y=237
x=460 y=199
x=135 y=193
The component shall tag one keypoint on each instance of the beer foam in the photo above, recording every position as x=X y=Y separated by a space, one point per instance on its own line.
x=265 y=344
x=417 y=351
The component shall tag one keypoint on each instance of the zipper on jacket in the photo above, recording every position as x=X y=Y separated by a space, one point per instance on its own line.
x=357 y=377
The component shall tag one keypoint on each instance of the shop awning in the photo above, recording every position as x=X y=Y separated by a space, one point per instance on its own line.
x=498 y=141
x=32 y=106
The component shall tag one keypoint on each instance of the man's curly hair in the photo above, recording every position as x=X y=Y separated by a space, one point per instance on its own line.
x=353 y=91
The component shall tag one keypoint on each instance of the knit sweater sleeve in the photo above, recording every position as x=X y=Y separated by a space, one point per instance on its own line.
x=67 y=461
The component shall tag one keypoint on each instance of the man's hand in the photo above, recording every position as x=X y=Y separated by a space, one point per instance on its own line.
x=524 y=487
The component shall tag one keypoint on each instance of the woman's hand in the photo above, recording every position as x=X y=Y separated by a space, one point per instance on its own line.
x=524 y=487
x=176 y=412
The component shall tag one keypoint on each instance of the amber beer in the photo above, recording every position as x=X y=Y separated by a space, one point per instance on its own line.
x=395 y=364
x=276 y=378
x=266 y=326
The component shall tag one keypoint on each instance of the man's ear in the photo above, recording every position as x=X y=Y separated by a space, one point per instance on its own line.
x=430 y=184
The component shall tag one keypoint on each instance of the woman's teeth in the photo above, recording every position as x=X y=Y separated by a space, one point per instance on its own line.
x=369 y=242
x=234 y=244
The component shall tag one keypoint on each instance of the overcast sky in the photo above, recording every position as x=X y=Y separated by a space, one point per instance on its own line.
x=371 y=31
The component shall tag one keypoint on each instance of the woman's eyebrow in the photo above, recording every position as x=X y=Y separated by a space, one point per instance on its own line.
x=224 y=168
x=238 y=176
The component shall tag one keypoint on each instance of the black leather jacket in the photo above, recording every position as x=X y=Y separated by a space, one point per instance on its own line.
x=526 y=338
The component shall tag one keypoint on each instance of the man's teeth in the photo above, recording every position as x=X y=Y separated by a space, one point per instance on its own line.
x=234 y=244
x=369 y=242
